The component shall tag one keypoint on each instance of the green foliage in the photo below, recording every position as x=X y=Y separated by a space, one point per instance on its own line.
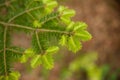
x=47 y=23
x=66 y=14
x=109 y=74
x=85 y=63
x=12 y=76
x=45 y=59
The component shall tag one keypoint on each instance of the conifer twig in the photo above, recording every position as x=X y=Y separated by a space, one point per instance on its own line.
x=4 y=50
x=26 y=11
x=35 y=29
x=38 y=41
x=13 y=50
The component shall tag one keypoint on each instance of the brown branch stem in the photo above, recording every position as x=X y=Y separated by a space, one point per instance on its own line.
x=38 y=41
x=4 y=50
x=35 y=29
x=13 y=50
x=26 y=11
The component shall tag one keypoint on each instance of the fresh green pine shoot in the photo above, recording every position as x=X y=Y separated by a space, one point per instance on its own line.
x=66 y=14
x=36 y=24
x=27 y=54
x=45 y=59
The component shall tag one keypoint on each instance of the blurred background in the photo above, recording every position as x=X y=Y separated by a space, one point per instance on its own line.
x=99 y=58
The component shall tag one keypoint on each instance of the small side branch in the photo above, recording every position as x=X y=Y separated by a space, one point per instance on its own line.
x=4 y=50
x=51 y=18
x=26 y=11
x=16 y=25
x=38 y=41
x=15 y=51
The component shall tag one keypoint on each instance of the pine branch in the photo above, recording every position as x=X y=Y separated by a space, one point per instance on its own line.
x=31 y=16
x=49 y=27
x=5 y=63
x=26 y=11
x=16 y=25
x=57 y=15
x=34 y=29
x=38 y=42
x=14 y=51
